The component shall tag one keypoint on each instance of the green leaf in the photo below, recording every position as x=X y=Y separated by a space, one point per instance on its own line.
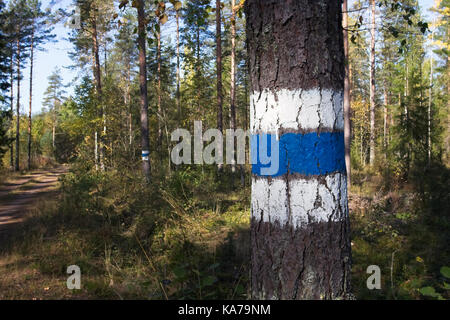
x=429 y=291
x=445 y=271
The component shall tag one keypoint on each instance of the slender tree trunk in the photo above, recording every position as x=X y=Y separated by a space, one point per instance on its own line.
x=372 y=85
x=145 y=144
x=361 y=146
x=178 y=68
x=233 y=78
x=98 y=88
x=31 y=97
x=408 y=151
x=219 y=70
x=197 y=67
x=54 y=120
x=347 y=110
x=385 y=118
x=17 y=167
x=95 y=149
x=406 y=93
x=96 y=155
x=246 y=127
x=54 y=133
x=11 y=148
x=430 y=102
x=160 y=113
x=448 y=92
x=130 y=113
x=299 y=224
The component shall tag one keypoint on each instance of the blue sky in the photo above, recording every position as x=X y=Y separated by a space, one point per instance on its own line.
x=55 y=55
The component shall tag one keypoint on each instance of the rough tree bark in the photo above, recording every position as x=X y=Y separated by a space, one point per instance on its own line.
x=145 y=144
x=299 y=224
x=347 y=110
x=372 y=85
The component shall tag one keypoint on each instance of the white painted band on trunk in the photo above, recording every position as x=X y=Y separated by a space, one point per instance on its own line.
x=296 y=110
x=300 y=201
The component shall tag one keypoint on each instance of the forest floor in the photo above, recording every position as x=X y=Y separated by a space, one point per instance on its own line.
x=187 y=236
x=19 y=195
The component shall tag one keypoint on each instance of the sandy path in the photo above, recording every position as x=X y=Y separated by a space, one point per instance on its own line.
x=18 y=195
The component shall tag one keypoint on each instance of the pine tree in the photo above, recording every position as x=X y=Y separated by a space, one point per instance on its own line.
x=145 y=143
x=53 y=99
x=20 y=33
x=299 y=225
x=40 y=33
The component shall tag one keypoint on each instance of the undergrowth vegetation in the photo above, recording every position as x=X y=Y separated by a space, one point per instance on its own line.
x=187 y=236
x=179 y=238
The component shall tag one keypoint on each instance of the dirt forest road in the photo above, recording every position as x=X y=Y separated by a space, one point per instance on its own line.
x=20 y=194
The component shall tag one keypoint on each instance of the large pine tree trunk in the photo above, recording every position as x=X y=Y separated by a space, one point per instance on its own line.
x=299 y=224
x=347 y=123
x=372 y=85
x=31 y=98
x=145 y=144
x=219 y=70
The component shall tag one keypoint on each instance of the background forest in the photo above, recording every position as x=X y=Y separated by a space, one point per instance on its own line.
x=181 y=232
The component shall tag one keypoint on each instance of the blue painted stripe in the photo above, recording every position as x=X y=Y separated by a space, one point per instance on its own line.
x=307 y=154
